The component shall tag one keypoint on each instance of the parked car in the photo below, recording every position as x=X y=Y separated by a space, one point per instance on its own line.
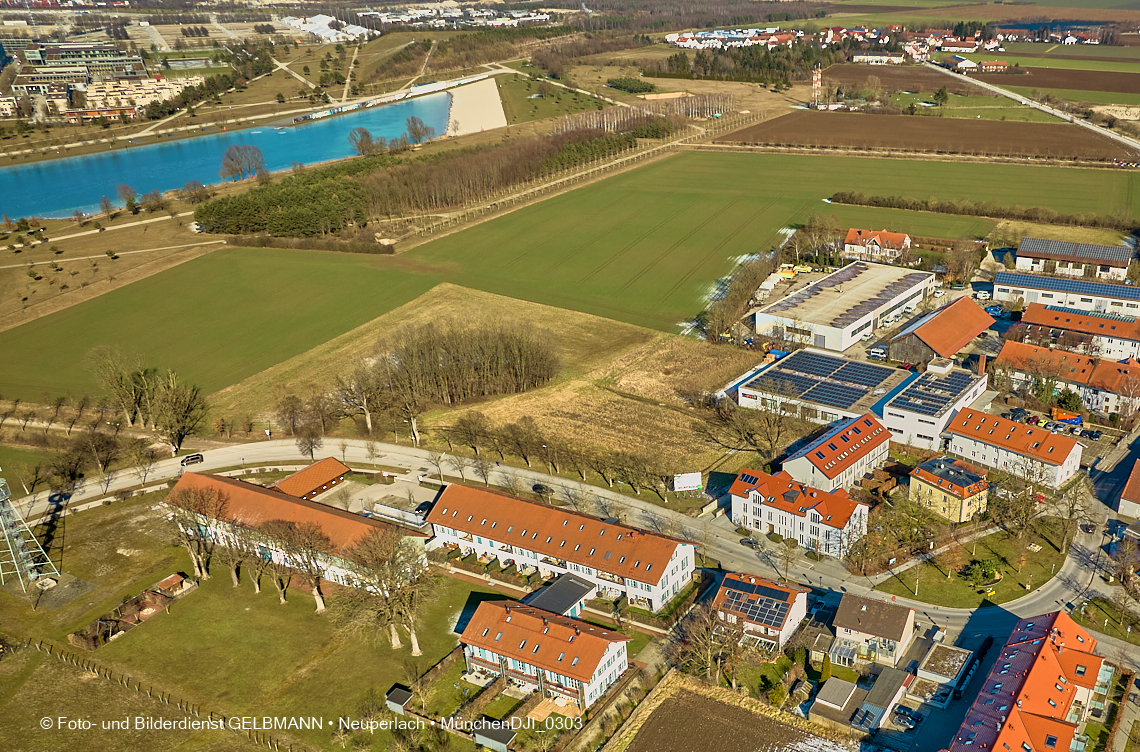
x=1087 y=528
x=1032 y=420
x=995 y=310
x=750 y=542
x=939 y=293
x=1050 y=425
x=1007 y=416
x=914 y=715
x=1086 y=434
x=1096 y=435
x=192 y=459
x=877 y=352
x=982 y=295
x=907 y=366
x=867 y=337
x=983 y=335
x=1075 y=430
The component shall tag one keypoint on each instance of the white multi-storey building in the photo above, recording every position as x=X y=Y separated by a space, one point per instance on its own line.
x=1016 y=288
x=841 y=456
x=541 y=650
x=647 y=568
x=1107 y=262
x=920 y=412
x=1115 y=336
x=1028 y=452
x=827 y=523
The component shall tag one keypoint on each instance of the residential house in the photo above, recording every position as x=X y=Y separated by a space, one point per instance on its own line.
x=648 y=569
x=567 y=596
x=871 y=631
x=251 y=506
x=842 y=455
x=1042 y=687
x=868 y=245
x=540 y=650
x=953 y=44
x=1105 y=386
x=993 y=66
x=952 y=489
x=1029 y=452
x=889 y=687
x=825 y=522
x=768 y=613
x=1104 y=262
x=1115 y=336
x=879 y=58
x=941 y=333
x=1129 y=504
x=313 y=480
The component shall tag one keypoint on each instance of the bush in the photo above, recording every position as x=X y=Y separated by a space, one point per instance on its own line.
x=775 y=537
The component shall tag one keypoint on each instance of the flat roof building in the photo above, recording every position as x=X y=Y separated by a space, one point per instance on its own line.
x=834 y=312
x=1013 y=287
x=920 y=412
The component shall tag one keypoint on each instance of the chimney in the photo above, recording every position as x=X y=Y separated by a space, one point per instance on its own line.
x=544 y=622
x=982 y=364
x=577 y=631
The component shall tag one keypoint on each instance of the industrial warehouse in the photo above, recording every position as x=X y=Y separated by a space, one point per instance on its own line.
x=835 y=312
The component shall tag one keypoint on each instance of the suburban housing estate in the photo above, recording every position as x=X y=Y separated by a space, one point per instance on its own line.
x=649 y=569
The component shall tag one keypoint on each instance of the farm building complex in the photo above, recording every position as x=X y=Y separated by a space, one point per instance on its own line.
x=1046 y=681
x=941 y=333
x=1107 y=262
x=841 y=456
x=1109 y=335
x=1079 y=294
x=834 y=312
x=646 y=568
x=828 y=523
x=1028 y=452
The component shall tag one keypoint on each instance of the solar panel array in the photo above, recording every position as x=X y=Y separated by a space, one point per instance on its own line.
x=845 y=275
x=757 y=603
x=931 y=394
x=1076 y=286
x=1040 y=248
x=825 y=379
x=1092 y=314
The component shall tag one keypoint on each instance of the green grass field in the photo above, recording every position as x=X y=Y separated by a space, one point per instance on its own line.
x=643 y=247
x=1032 y=49
x=1122 y=65
x=516 y=92
x=973 y=107
x=1080 y=95
x=216 y=320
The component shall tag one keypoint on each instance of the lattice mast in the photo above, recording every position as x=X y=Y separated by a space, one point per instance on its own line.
x=816 y=85
x=22 y=557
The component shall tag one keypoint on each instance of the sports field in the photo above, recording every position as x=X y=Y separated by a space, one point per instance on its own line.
x=643 y=247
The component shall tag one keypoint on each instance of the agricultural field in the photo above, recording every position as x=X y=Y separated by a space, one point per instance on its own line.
x=977 y=107
x=644 y=247
x=931 y=135
x=937 y=15
x=1008 y=233
x=899 y=78
x=1073 y=51
x=1098 y=66
x=1079 y=95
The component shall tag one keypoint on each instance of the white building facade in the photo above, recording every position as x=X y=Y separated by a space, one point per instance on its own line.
x=919 y=414
x=841 y=456
x=1028 y=452
x=1013 y=287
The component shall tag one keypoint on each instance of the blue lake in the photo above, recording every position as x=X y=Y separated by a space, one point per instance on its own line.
x=58 y=187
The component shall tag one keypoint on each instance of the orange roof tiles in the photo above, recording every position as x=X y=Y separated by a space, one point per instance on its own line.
x=540 y=638
x=782 y=492
x=312 y=478
x=959 y=478
x=251 y=505
x=1031 y=688
x=556 y=532
x=954 y=326
x=1122 y=327
x=772 y=591
x=893 y=240
x=838 y=450
x=1029 y=441
x=1097 y=373
x=1132 y=488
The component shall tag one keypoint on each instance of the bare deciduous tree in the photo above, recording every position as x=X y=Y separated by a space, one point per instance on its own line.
x=194 y=508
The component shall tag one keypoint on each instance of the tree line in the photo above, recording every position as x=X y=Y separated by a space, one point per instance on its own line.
x=331 y=199
x=965 y=207
x=390 y=580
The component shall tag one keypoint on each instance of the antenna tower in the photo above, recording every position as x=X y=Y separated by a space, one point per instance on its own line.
x=816 y=85
x=21 y=555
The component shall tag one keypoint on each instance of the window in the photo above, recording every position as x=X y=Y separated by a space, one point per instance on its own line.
x=1026 y=747
x=1059 y=687
x=522 y=644
x=536 y=647
x=500 y=634
x=574 y=662
x=1052 y=702
x=561 y=656
x=1050 y=741
x=485 y=631
x=1081 y=670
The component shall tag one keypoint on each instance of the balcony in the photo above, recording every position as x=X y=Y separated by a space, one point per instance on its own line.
x=610 y=577
x=553 y=562
x=466 y=537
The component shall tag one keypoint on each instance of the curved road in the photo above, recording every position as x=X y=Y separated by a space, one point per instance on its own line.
x=1075 y=582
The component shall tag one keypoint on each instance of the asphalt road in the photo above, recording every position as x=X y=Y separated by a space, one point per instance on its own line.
x=1075 y=582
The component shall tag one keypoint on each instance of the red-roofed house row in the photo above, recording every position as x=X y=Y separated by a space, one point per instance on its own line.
x=1109 y=335
x=1044 y=683
x=828 y=523
x=842 y=455
x=1029 y=452
x=647 y=568
x=1104 y=386
x=559 y=656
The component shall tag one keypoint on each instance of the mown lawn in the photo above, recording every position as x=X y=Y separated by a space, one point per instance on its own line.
x=935 y=587
x=522 y=102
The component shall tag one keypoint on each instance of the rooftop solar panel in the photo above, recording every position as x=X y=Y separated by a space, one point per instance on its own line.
x=836 y=395
x=1075 y=286
x=862 y=373
x=782 y=382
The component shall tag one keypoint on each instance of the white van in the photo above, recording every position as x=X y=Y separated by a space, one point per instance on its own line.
x=983 y=295
x=878 y=352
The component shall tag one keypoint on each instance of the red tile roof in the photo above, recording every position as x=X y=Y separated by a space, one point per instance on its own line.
x=540 y=638
x=782 y=492
x=1132 y=488
x=953 y=326
x=950 y=475
x=894 y=240
x=1037 y=314
x=1031 y=688
x=251 y=505
x=1030 y=441
x=556 y=532
x=1098 y=373
x=312 y=478
x=841 y=448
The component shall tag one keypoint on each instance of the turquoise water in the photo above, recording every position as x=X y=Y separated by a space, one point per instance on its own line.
x=58 y=187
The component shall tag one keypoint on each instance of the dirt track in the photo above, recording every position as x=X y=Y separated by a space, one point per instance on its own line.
x=929 y=135
x=1060 y=78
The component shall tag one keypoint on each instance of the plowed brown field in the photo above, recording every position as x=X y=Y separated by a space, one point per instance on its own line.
x=1061 y=78
x=899 y=78
x=930 y=135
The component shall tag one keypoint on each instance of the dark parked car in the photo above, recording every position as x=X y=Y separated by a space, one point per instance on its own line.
x=1096 y=435
x=750 y=542
x=192 y=459
x=1007 y=416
